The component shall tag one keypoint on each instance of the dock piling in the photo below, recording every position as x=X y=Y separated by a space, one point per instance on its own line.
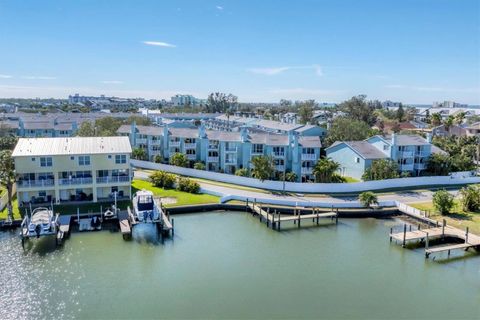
x=404 y=234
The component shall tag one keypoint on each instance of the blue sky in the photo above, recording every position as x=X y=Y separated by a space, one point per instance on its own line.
x=415 y=51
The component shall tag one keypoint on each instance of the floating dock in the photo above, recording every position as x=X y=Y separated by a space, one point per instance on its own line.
x=425 y=235
x=275 y=219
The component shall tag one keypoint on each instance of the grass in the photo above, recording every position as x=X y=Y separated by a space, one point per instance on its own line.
x=351 y=180
x=458 y=218
x=16 y=211
x=183 y=198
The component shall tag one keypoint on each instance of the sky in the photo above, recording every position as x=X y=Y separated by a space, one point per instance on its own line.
x=413 y=51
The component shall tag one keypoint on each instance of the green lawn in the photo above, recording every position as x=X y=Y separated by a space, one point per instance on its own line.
x=351 y=180
x=458 y=218
x=183 y=198
x=16 y=212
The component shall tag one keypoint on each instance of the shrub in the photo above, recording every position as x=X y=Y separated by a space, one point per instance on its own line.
x=443 y=201
x=470 y=198
x=187 y=185
x=242 y=172
x=162 y=179
x=199 y=166
x=157 y=159
x=367 y=199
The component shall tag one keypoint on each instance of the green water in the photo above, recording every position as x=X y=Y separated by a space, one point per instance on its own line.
x=228 y=265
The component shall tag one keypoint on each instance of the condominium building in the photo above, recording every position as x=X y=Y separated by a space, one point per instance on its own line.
x=410 y=152
x=71 y=170
x=224 y=151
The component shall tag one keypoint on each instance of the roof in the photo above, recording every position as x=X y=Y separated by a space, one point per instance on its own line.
x=146 y=130
x=310 y=142
x=363 y=148
x=70 y=146
x=475 y=126
x=269 y=139
x=437 y=150
x=183 y=132
x=224 y=136
x=32 y=125
x=405 y=140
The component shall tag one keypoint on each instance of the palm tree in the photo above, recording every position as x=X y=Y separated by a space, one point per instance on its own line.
x=325 y=170
x=436 y=119
x=367 y=199
x=448 y=123
x=262 y=167
x=460 y=117
x=7 y=177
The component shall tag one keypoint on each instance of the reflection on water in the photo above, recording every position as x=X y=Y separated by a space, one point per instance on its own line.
x=228 y=265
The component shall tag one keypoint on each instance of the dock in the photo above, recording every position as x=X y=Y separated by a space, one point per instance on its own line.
x=124 y=220
x=275 y=219
x=64 y=223
x=442 y=232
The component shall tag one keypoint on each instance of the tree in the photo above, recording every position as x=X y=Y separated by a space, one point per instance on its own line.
x=263 y=167
x=139 y=120
x=290 y=176
x=325 y=171
x=400 y=114
x=179 y=160
x=86 y=129
x=470 y=198
x=345 y=129
x=305 y=111
x=7 y=177
x=139 y=154
x=162 y=179
x=459 y=117
x=436 y=119
x=368 y=198
x=358 y=109
x=443 y=201
x=381 y=169
x=448 y=123
x=199 y=166
x=242 y=172
x=8 y=143
x=220 y=102
x=410 y=113
x=107 y=126
x=157 y=158
x=439 y=164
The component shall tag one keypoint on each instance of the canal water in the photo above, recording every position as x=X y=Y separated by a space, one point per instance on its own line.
x=228 y=265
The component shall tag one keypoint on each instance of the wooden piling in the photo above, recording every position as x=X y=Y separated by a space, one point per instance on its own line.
x=466 y=235
x=173 y=227
x=426 y=246
x=391 y=231
x=279 y=219
x=444 y=223
x=336 y=217
x=404 y=234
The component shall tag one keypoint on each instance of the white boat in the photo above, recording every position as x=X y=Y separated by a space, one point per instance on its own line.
x=144 y=208
x=42 y=222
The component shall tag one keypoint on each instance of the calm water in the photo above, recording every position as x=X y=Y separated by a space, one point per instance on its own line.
x=224 y=265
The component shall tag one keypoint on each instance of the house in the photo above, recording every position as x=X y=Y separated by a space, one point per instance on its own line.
x=473 y=130
x=410 y=152
x=453 y=130
x=70 y=170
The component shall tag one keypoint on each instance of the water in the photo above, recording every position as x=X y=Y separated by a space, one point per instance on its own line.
x=228 y=265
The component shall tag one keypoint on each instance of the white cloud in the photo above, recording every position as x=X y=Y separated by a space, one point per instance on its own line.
x=38 y=77
x=278 y=70
x=5 y=76
x=111 y=81
x=219 y=7
x=159 y=44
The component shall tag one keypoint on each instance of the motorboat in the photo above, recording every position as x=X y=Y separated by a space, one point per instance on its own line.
x=144 y=208
x=42 y=222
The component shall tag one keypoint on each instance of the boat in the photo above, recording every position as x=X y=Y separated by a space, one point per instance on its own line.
x=42 y=222
x=110 y=213
x=144 y=208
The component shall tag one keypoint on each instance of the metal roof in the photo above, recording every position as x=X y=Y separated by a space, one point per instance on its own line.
x=310 y=141
x=363 y=148
x=71 y=146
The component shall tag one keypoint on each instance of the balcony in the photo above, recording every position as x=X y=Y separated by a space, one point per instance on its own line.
x=190 y=145
x=420 y=166
x=35 y=183
x=279 y=154
x=213 y=147
x=191 y=156
x=307 y=170
x=257 y=153
x=231 y=149
x=423 y=154
x=406 y=167
x=174 y=143
x=280 y=168
x=154 y=142
x=75 y=181
x=141 y=141
x=113 y=179
x=212 y=159
x=231 y=161
x=405 y=154
x=309 y=157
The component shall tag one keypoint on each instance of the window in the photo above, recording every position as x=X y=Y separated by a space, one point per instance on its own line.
x=33 y=159
x=257 y=148
x=385 y=147
x=357 y=160
x=308 y=151
x=42 y=193
x=120 y=158
x=83 y=160
x=45 y=162
x=72 y=158
x=109 y=156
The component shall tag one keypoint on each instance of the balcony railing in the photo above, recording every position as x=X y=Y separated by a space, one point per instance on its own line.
x=191 y=156
x=174 y=143
x=113 y=179
x=230 y=161
x=307 y=170
x=423 y=154
x=406 y=154
x=231 y=149
x=75 y=181
x=420 y=166
x=213 y=147
x=406 y=167
x=35 y=183
x=141 y=141
x=309 y=156
x=280 y=168
x=279 y=154
x=212 y=159
x=257 y=153
x=190 y=145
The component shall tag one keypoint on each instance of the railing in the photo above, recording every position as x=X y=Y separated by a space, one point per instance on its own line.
x=213 y=147
x=230 y=161
x=420 y=166
x=174 y=143
x=154 y=142
x=191 y=156
x=212 y=159
x=73 y=181
x=280 y=167
x=279 y=154
x=231 y=149
x=113 y=179
x=190 y=145
x=423 y=154
x=307 y=170
x=141 y=140
x=406 y=167
x=257 y=153
x=309 y=156
x=406 y=154
x=35 y=183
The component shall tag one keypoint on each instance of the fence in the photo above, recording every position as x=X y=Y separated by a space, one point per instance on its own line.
x=440 y=181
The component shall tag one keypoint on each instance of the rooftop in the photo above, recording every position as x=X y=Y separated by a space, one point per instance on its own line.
x=363 y=148
x=71 y=146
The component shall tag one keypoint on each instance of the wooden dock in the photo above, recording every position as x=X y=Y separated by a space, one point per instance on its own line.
x=274 y=219
x=124 y=220
x=425 y=235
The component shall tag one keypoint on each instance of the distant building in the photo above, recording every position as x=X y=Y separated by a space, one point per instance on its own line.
x=182 y=100
x=448 y=104
x=72 y=170
x=391 y=104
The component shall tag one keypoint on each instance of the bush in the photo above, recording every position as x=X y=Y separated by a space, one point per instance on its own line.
x=157 y=159
x=368 y=198
x=242 y=172
x=162 y=179
x=199 y=166
x=443 y=201
x=187 y=185
x=470 y=198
